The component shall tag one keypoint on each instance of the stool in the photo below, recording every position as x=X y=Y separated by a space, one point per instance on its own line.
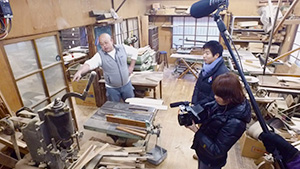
x=165 y=58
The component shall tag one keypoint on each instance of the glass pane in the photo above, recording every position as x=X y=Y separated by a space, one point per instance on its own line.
x=213 y=31
x=297 y=38
x=178 y=20
x=60 y=95
x=201 y=30
x=40 y=106
x=55 y=79
x=211 y=22
x=213 y=38
x=21 y=57
x=31 y=90
x=190 y=21
x=202 y=39
x=135 y=24
x=202 y=21
x=130 y=24
x=189 y=30
x=178 y=30
x=123 y=27
x=177 y=42
x=48 y=50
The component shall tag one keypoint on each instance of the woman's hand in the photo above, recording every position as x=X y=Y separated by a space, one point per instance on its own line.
x=193 y=127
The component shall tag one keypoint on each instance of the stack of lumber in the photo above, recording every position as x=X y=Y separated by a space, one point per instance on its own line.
x=107 y=156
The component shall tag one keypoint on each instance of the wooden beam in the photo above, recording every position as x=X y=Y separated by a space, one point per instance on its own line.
x=283 y=55
x=285 y=16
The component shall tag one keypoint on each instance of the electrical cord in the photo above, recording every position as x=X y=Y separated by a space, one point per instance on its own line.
x=231 y=41
x=5 y=28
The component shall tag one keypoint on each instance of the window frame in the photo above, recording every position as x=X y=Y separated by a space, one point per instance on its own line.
x=40 y=69
x=119 y=34
x=195 y=35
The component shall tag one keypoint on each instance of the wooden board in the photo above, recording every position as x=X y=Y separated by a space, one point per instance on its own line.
x=121 y=120
x=97 y=122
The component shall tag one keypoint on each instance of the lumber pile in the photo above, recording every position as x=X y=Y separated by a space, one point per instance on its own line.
x=107 y=156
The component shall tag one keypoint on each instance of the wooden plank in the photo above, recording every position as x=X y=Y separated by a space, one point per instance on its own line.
x=88 y=155
x=9 y=143
x=283 y=55
x=128 y=130
x=285 y=16
x=121 y=120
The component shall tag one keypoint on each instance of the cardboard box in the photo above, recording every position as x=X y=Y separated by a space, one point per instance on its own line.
x=79 y=88
x=251 y=148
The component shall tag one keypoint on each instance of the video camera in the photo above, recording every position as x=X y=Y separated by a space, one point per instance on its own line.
x=188 y=113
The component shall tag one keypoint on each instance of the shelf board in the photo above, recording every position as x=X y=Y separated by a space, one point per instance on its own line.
x=252 y=41
x=248 y=30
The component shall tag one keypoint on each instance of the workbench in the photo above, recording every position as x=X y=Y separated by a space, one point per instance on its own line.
x=190 y=61
x=97 y=122
x=145 y=79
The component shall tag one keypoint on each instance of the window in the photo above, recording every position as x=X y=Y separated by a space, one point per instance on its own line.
x=127 y=30
x=295 y=56
x=38 y=73
x=188 y=30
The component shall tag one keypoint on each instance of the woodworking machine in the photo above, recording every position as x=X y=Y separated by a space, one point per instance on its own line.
x=50 y=133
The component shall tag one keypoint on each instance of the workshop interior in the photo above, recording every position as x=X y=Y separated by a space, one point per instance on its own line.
x=48 y=120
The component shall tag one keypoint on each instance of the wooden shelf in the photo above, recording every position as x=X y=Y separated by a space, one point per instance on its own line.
x=248 y=30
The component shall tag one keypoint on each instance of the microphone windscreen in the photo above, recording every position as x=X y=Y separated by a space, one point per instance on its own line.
x=202 y=8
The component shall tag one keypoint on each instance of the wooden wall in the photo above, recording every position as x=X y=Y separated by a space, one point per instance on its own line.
x=237 y=7
x=32 y=17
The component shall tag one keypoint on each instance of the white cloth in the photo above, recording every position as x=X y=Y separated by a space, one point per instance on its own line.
x=96 y=61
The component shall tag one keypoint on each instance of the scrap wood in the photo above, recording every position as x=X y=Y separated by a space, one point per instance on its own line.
x=129 y=150
x=128 y=130
x=90 y=153
x=21 y=144
x=132 y=159
x=121 y=120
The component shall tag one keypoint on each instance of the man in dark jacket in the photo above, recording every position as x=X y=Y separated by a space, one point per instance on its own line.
x=213 y=66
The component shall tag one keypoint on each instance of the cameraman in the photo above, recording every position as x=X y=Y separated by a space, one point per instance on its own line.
x=224 y=124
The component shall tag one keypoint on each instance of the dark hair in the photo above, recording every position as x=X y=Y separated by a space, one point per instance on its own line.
x=228 y=87
x=214 y=46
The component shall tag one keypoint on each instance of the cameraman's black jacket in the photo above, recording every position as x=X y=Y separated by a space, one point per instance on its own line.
x=220 y=131
x=202 y=91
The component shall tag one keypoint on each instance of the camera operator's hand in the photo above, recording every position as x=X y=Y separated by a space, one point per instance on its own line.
x=272 y=141
x=193 y=127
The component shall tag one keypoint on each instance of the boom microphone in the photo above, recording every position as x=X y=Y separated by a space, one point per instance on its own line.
x=205 y=7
